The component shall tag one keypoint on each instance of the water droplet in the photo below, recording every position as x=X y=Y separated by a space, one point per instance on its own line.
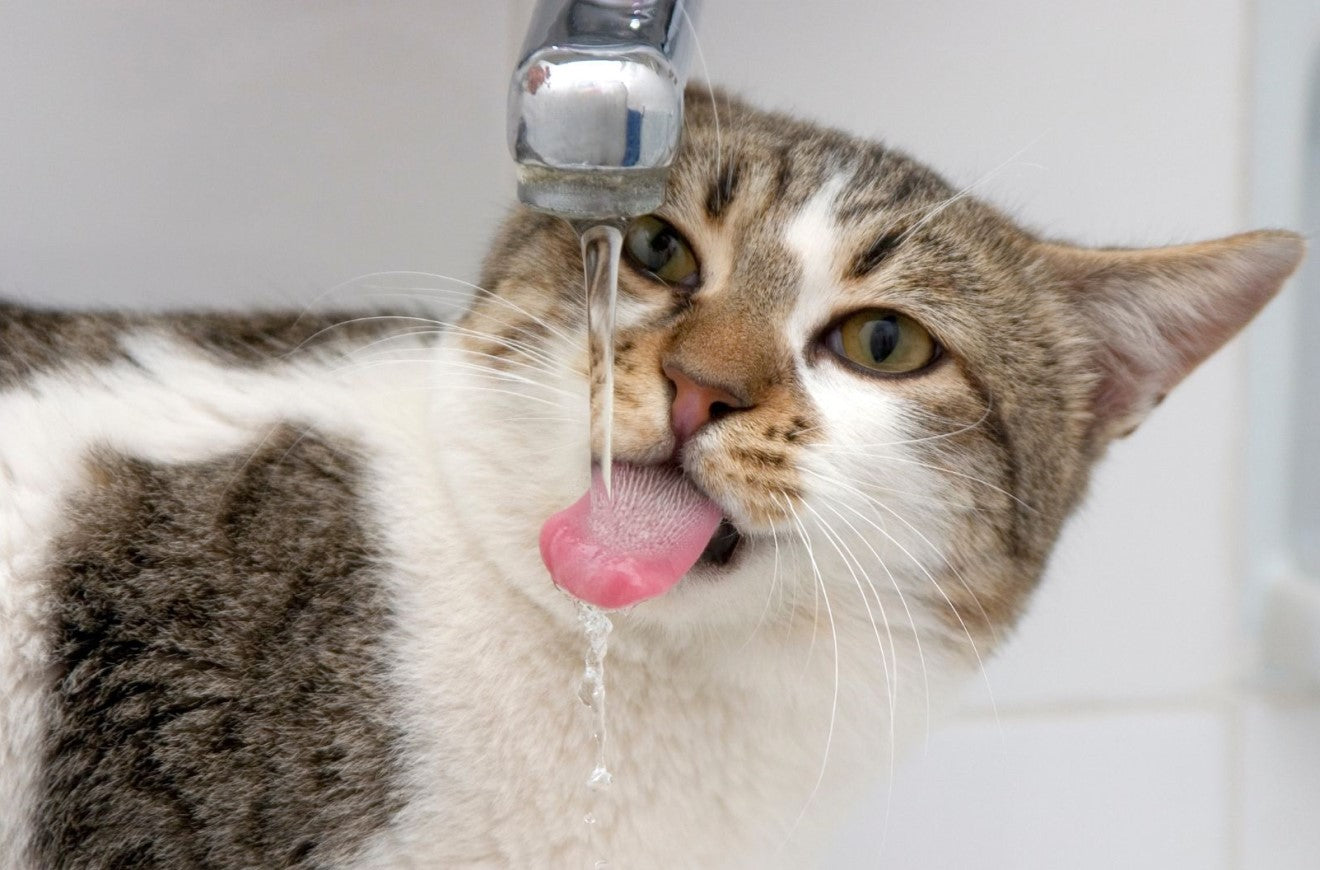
x=600 y=778
x=591 y=692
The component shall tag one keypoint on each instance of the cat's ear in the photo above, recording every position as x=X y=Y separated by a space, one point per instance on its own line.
x=1156 y=314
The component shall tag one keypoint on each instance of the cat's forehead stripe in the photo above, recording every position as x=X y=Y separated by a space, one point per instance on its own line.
x=812 y=233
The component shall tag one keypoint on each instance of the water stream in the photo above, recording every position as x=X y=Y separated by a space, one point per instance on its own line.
x=602 y=242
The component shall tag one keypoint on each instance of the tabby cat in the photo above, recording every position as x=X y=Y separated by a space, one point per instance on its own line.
x=271 y=585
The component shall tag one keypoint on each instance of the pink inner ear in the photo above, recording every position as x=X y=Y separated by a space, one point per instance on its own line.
x=1158 y=314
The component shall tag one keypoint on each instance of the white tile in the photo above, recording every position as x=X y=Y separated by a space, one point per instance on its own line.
x=207 y=154
x=1281 y=787
x=1113 y=119
x=1138 y=792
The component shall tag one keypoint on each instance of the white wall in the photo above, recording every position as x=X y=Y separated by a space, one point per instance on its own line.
x=229 y=153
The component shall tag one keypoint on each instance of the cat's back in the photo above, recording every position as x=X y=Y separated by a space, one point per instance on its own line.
x=191 y=667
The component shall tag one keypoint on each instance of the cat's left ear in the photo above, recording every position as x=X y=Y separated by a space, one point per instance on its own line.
x=1156 y=314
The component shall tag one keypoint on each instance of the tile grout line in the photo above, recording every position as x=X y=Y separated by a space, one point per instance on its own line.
x=1208 y=703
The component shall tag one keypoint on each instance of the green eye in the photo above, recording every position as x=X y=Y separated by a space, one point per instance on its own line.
x=883 y=341
x=654 y=246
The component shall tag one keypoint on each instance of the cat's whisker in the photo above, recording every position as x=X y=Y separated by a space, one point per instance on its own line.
x=834 y=704
x=531 y=352
x=921 y=657
x=850 y=560
x=705 y=71
x=893 y=581
x=484 y=294
x=769 y=595
x=471 y=368
x=316 y=301
x=466 y=387
x=523 y=364
x=430 y=327
x=888 y=661
x=898 y=589
x=989 y=623
x=365 y=318
x=966 y=191
x=454 y=326
x=362 y=361
x=925 y=498
x=946 y=470
x=776 y=584
x=243 y=466
x=426 y=294
x=534 y=354
x=791 y=595
x=931 y=577
x=856 y=447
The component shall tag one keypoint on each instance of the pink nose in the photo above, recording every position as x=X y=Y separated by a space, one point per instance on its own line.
x=697 y=403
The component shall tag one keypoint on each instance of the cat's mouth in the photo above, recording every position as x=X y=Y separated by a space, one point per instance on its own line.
x=725 y=543
x=723 y=546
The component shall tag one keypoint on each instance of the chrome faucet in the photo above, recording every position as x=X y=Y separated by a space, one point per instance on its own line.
x=596 y=105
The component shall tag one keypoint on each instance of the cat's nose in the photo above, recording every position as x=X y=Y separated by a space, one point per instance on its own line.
x=697 y=402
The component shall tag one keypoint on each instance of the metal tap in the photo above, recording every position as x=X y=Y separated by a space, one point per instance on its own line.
x=596 y=105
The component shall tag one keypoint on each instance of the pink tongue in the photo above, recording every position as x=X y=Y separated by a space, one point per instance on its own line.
x=616 y=552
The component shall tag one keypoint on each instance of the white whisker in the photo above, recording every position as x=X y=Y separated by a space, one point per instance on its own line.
x=834 y=704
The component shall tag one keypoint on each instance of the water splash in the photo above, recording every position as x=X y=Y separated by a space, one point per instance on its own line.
x=602 y=243
x=591 y=692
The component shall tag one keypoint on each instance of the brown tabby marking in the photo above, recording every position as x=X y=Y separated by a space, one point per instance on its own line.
x=219 y=694
x=34 y=341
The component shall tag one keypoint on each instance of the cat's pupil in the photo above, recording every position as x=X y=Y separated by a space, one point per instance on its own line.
x=880 y=337
x=663 y=245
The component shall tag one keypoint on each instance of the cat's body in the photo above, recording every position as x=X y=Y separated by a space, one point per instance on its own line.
x=270 y=588
x=264 y=577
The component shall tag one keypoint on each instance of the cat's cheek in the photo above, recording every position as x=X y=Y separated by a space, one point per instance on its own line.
x=869 y=469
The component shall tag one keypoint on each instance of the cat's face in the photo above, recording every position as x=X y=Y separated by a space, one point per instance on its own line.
x=899 y=393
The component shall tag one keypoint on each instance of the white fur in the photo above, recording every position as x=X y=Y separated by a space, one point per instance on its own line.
x=735 y=737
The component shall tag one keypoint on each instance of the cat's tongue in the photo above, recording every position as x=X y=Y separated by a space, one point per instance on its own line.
x=613 y=552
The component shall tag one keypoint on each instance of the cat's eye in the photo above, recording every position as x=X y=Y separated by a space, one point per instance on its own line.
x=655 y=247
x=883 y=341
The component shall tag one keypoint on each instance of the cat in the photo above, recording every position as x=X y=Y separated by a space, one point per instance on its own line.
x=271 y=588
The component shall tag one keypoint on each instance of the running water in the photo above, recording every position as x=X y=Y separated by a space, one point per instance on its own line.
x=597 y=627
x=602 y=242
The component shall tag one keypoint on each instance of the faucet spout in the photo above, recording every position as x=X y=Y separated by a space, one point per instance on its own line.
x=596 y=105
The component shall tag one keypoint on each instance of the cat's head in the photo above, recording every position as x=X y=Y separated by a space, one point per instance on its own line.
x=894 y=393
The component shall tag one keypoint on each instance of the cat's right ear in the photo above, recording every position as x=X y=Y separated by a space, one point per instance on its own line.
x=1156 y=314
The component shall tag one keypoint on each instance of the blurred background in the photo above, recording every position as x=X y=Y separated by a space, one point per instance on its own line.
x=1158 y=708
